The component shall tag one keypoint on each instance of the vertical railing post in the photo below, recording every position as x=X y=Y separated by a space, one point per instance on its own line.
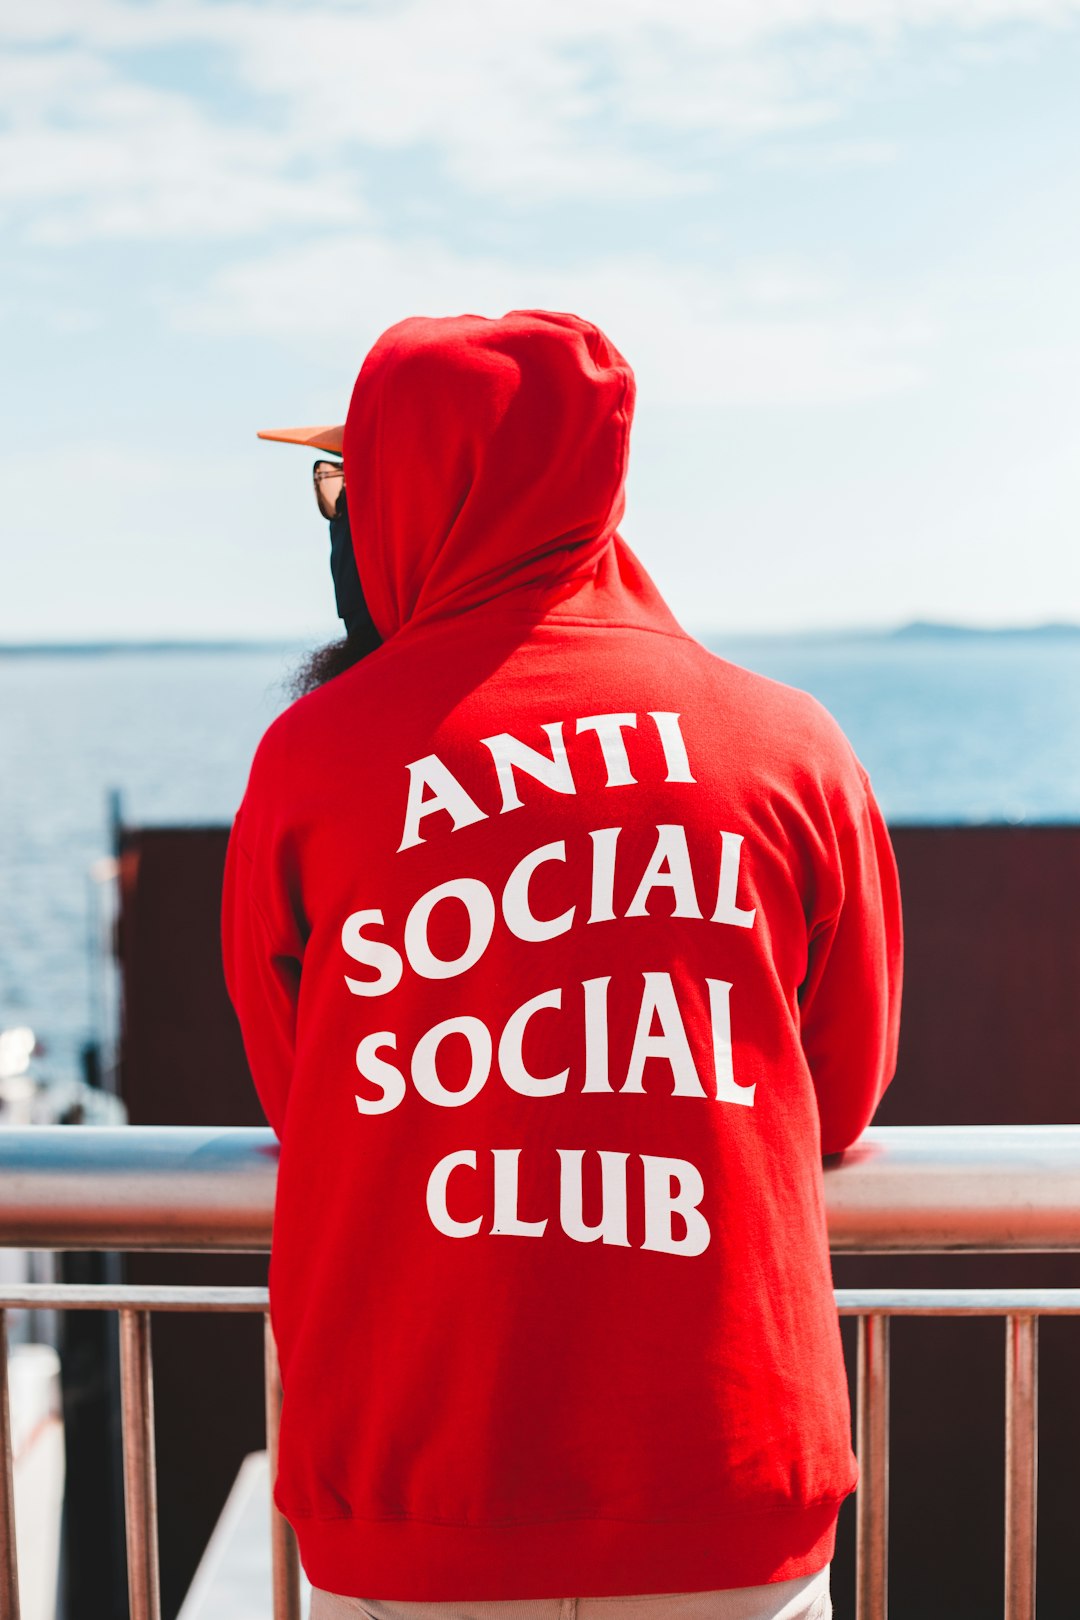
x=140 y=1483
x=9 y=1564
x=284 y=1551
x=1021 y=1464
x=872 y=1446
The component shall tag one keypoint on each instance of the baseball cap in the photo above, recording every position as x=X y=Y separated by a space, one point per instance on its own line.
x=317 y=438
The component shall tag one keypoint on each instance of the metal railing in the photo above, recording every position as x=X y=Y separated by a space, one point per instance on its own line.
x=987 y=1189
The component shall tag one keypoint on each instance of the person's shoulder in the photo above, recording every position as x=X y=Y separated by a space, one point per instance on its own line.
x=312 y=724
x=788 y=706
x=310 y=713
x=784 y=723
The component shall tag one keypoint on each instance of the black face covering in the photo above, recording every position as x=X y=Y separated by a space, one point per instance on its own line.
x=348 y=593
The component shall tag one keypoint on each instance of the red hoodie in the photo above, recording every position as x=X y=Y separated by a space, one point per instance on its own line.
x=562 y=950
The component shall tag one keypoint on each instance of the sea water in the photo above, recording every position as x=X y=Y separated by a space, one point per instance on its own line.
x=952 y=728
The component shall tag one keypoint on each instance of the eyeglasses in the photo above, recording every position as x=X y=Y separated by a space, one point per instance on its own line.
x=329 y=483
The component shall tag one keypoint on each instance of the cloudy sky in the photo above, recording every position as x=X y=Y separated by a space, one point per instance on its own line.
x=838 y=240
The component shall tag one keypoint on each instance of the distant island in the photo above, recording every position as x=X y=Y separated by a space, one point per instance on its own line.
x=927 y=629
x=917 y=630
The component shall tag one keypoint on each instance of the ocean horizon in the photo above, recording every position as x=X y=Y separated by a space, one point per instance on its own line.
x=909 y=629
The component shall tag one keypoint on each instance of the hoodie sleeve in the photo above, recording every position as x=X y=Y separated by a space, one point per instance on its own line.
x=262 y=951
x=850 y=997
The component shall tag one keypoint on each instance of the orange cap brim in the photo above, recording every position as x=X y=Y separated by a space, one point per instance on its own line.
x=317 y=438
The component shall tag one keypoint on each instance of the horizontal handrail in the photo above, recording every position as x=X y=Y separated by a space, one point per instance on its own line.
x=137 y=1187
x=960 y=1188
x=1018 y=1302
x=901 y=1189
x=133 y=1296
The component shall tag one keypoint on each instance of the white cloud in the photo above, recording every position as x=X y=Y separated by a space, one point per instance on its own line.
x=524 y=102
x=766 y=334
x=90 y=152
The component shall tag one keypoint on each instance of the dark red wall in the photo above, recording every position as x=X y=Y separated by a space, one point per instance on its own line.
x=991 y=1022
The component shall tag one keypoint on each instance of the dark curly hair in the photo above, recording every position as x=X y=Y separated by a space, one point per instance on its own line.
x=334 y=658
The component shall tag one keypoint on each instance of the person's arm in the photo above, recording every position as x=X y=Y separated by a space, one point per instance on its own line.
x=261 y=956
x=850 y=997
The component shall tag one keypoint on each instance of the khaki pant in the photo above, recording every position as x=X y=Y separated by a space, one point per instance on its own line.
x=805 y=1599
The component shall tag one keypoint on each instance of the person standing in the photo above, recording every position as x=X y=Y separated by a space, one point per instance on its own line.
x=562 y=950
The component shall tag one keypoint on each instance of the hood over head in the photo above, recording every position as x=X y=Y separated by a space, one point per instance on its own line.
x=481 y=457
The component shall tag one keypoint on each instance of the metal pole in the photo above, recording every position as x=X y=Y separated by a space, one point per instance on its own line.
x=872 y=1445
x=140 y=1487
x=1021 y=1464
x=9 y=1567
x=284 y=1551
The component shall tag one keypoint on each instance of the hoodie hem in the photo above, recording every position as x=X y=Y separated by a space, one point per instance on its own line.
x=421 y=1561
